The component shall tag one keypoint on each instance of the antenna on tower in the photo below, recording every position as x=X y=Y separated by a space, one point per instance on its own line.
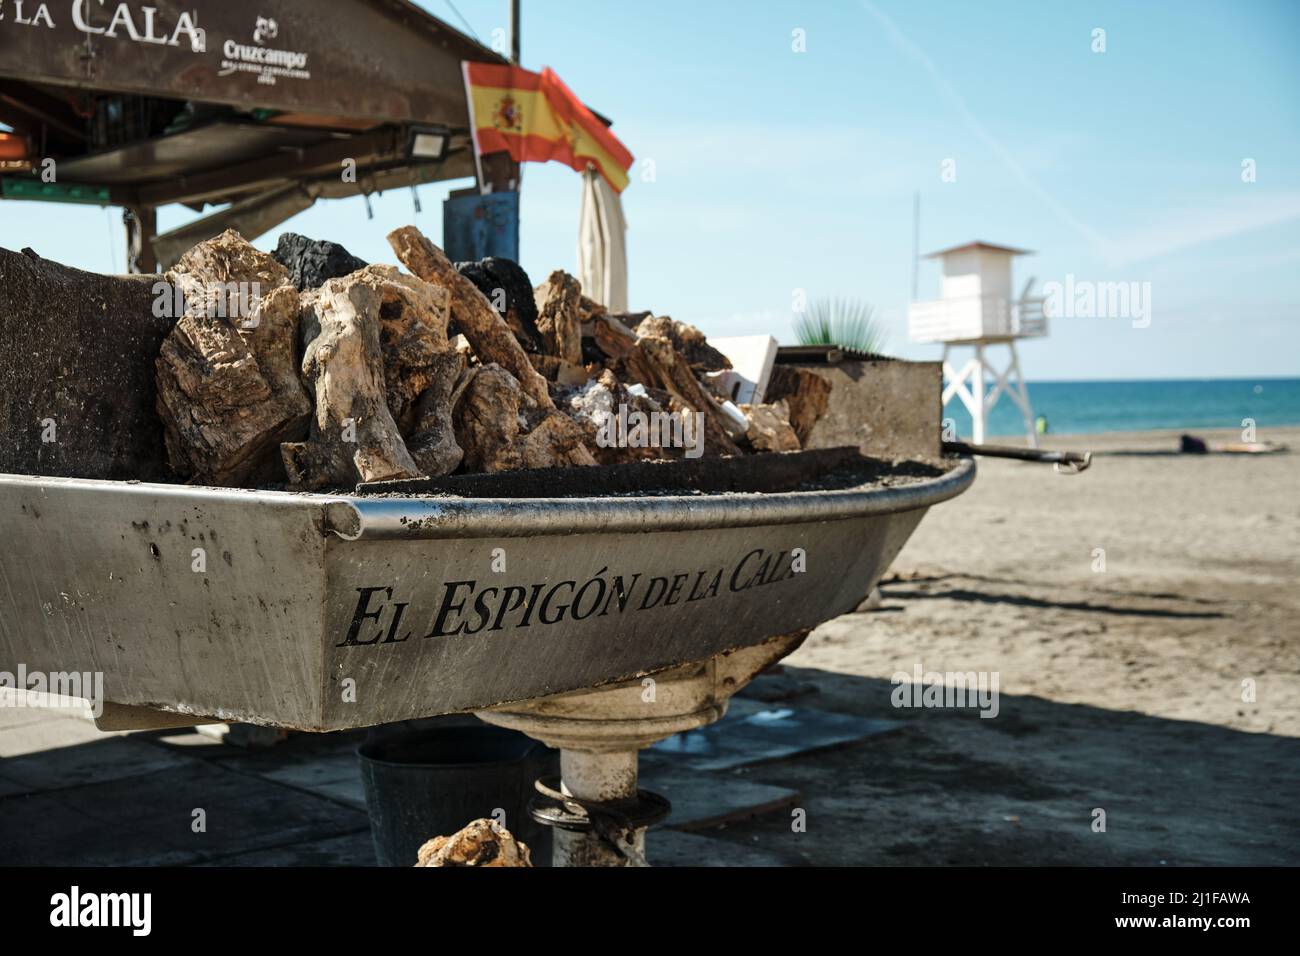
x=916 y=239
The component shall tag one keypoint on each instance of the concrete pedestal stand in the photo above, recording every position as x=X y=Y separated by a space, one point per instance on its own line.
x=599 y=733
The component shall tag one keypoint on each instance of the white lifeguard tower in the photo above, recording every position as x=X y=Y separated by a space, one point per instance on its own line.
x=977 y=311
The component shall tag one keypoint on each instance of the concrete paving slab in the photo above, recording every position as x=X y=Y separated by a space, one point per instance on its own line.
x=97 y=761
x=674 y=848
x=45 y=731
x=11 y=717
x=351 y=849
x=777 y=686
x=667 y=848
x=45 y=829
x=349 y=792
x=148 y=819
x=701 y=799
x=75 y=796
x=9 y=787
x=754 y=732
x=335 y=775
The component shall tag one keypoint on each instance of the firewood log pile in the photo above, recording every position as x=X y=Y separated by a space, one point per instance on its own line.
x=311 y=369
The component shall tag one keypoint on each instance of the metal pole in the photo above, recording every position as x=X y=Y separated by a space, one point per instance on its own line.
x=916 y=239
x=598 y=776
x=141 y=224
x=515 y=56
x=980 y=411
x=1078 y=460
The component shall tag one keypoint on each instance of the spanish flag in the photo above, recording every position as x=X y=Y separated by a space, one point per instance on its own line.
x=535 y=117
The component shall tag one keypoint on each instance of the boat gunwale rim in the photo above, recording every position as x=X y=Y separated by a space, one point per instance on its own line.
x=359 y=518
x=364 y=518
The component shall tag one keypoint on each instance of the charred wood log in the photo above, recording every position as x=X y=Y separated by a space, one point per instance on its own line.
x=588 y=309
x=607 y=412
x=769 y=427
x=674 y=375
x=560 y=440
x=806 y=394
x=686 y=339
x=499 y=431
x=619 y=345
x=508 y=290
x=312 y=262
x=486 y=331
x=412 y=335
x=353 y=434
x=559 y=371
x=431 y=439
x=558 y=320
x=228 y=388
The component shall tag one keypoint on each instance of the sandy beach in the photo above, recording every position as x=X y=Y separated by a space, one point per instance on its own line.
x=1121 y=689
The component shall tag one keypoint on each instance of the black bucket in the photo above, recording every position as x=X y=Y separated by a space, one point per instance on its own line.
x=432 y=782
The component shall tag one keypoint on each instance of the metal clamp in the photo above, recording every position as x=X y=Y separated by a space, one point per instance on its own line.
x=614 y=821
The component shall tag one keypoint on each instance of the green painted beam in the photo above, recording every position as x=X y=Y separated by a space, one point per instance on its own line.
x=25 y=187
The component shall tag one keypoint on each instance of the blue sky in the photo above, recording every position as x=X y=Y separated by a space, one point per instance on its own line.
x=776 y=170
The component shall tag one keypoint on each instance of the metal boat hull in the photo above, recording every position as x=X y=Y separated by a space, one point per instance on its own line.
x=321 y=612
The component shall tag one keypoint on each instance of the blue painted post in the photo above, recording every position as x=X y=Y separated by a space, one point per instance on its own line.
x=477 y=226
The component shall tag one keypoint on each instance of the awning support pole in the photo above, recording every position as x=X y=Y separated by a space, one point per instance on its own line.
x=141 y=225
x=515 y=56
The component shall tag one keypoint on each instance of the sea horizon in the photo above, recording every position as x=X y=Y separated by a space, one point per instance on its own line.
x=1187 y=378
x=1093 y=406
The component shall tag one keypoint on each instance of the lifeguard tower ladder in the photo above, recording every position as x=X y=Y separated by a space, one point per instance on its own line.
x=977 y=311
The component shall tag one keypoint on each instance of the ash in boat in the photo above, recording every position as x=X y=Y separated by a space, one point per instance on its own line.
x=826 y=469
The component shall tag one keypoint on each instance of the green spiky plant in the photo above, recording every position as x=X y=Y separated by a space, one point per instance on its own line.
x=847 y=323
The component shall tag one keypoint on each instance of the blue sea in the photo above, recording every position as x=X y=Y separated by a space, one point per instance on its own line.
x=1089 y=407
